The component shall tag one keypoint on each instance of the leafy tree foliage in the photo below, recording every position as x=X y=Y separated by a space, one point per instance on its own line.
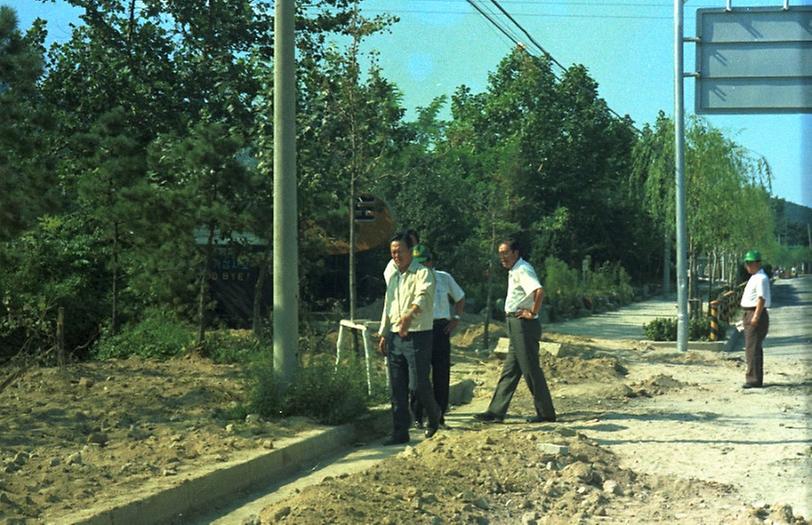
x=25 y=167
x=131 y=153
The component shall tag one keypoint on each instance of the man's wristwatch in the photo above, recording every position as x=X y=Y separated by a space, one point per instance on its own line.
x=455 y=317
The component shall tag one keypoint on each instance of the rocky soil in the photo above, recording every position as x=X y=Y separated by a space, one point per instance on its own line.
x=643 y=436
x=95 y=432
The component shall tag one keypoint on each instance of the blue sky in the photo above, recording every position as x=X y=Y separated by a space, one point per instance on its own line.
x=627 y=45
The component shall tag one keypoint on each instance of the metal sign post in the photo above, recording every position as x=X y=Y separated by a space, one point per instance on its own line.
x=679 y=137
x=749 y=60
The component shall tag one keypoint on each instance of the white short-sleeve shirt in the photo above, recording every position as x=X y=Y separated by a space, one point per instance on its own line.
x=757 y=286
x=446 y=287
x=522 y=282
x=390 y=270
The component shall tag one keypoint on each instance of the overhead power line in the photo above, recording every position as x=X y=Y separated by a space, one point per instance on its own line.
x=564 y=3
x=495 y=23
x=532 y=40
x=523 y=30
x=532 y=15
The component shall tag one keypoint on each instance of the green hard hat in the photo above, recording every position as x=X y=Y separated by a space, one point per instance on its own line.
x=752 y=256
x=421 y=253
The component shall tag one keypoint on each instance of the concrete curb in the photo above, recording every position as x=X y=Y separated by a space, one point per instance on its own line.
x=216 y=488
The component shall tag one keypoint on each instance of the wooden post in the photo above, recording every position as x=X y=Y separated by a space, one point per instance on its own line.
x=60 y=336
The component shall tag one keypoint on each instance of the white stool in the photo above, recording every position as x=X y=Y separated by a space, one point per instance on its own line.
x=365 y=327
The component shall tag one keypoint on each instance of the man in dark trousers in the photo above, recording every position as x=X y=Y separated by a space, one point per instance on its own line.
x=522 y=304
x=446 y=290
x=406 y=332
x=755 y=302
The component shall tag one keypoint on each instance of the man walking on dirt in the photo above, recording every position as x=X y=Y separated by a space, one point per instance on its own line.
x=446 y=288
x=522 y=304
x=755 y=302
x=406 y=332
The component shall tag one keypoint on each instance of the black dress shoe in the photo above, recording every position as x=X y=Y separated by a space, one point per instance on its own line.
x=392 y=440
x=430 y=431
x=488 y=417
x=751 y=385
x=540 y=419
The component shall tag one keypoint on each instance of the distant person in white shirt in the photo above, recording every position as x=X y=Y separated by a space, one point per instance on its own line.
x=391 y=268
x=755 y=302
x=446 y=290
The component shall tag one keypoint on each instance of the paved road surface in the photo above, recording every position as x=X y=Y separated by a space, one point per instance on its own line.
x=624 y=323
x=790 y=319
x=790 y=332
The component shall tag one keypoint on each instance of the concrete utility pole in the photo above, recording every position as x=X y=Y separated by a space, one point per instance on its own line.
x=679 y=134
x=285 y=245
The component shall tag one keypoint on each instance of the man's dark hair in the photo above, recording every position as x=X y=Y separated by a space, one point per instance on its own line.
x=402 y=236
x=512 y=243
x=413 y=233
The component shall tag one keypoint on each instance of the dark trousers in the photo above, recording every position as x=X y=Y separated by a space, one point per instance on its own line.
x=522 y=360
x=440 y=370
x=753 y=348
x=409 y=361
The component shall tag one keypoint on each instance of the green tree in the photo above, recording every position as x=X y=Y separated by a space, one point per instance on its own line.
x=26 y=166
x=110 y=185
x=204 y=172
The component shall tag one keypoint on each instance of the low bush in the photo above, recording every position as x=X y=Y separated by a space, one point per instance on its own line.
x=665 y=329
x=567 y=292
x=661 y=329
x=331 y=395
x=160 y=335
x=561 y=288
x=234 y=346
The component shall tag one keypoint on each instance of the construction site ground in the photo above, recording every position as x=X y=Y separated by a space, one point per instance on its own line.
x=644 y=435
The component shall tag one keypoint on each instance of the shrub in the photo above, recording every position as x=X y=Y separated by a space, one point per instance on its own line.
x=561 y=286
x=160 y=335
x=321 y=391
x=60 y=262
x=233 y=346
x=662 y=329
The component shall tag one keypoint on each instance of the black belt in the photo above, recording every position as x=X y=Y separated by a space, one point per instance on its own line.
x=749 y=308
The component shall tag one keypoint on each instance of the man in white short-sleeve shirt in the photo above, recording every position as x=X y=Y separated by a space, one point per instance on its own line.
x=755 y=302
x=522 y=305
x=446 y=290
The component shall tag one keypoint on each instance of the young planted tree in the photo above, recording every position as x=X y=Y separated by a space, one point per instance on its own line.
x=110 y=184
x=204 y=173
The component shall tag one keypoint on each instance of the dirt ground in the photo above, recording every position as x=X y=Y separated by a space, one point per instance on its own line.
x=96 y=432
x=644 y=436
x=638 y=441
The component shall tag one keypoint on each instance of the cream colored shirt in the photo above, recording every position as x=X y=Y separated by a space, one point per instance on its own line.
x=415 y=286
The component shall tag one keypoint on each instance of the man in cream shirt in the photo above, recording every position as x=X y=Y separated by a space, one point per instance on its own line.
x=406 y=333
x=755 y=302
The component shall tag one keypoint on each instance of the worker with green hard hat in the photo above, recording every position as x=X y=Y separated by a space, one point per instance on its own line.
x=755 y=303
